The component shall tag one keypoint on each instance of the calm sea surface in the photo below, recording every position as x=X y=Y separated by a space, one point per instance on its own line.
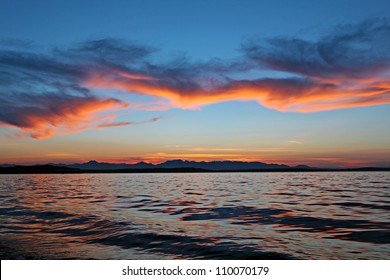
x=197 y=216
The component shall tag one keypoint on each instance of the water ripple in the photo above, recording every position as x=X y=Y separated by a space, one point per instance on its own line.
x=198 y=216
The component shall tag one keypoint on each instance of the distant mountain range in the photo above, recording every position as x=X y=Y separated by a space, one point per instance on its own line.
x=212 y=165
x=171 y=166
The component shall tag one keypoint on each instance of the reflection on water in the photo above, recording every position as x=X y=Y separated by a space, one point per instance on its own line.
x=197 y=216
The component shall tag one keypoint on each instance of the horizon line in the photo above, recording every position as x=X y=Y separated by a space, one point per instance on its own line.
x=194 y=161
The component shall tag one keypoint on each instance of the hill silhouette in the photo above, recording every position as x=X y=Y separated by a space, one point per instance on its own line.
x=212 y=165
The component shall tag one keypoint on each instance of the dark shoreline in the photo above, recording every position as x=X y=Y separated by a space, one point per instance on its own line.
x=51 y=169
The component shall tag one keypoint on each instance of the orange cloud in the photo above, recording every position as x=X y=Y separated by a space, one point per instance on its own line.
x=287 y=95
x=53 y=115
x=196 y=156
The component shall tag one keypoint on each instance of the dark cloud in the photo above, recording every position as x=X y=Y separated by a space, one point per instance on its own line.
x=115 y=49
x=107 y=51
x=349 y=51
x=16 y=43
x=17 y=61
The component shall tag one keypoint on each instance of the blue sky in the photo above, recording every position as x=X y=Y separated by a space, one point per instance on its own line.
x=207 y=81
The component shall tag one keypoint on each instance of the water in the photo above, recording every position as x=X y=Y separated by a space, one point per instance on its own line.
x=341 y=215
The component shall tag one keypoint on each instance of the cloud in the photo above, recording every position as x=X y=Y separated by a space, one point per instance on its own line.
x=48 y=93
x=355 y=51
x=288 y=95
x=295 y=142
x=107 y=51
x=43 y=94
x=42 y=116
x=349 y=67
x=115 y=124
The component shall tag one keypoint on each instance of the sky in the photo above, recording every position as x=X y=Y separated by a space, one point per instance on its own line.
x=292 y=82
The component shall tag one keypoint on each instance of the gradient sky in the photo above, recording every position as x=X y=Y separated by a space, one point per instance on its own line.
x=294 y=82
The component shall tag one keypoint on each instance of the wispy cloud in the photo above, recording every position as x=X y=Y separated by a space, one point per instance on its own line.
x=295 y=142
x=115 y=124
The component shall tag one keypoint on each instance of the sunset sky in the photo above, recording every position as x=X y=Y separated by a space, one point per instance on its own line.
x=293 y=82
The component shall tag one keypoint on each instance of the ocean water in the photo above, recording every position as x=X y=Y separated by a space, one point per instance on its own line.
x=339 y=215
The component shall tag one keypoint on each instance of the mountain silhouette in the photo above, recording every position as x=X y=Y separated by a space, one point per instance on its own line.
x=212 y=165
x=171 y=166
